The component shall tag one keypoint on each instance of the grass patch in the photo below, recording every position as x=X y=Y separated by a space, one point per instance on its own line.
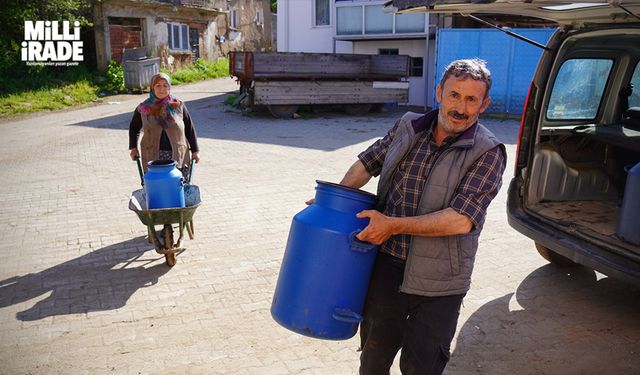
x=52 y=91
x=230 y=99
x=77 y=93
x=201 y=70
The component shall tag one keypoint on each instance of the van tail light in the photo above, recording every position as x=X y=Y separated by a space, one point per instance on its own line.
x=524 y=114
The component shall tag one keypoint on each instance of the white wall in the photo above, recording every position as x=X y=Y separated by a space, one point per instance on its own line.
x=344 y=46
x=418 y=92
x=296 y=32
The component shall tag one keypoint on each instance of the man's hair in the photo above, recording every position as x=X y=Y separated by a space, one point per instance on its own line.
x=468 y=68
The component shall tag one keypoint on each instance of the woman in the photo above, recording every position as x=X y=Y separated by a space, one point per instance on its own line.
x=168 y=133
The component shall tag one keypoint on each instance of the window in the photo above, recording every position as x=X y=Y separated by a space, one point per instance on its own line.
x=178 y=36
x=410 y=23
x=634 y=99
x=578 y=89
x=322 y=11
x=259 y=20
x=349 y=20
x=376 y=21
x=233 y=19
x=388 y=51
x=416 y=67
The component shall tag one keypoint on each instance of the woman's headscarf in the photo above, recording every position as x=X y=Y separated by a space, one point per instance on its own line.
x=156 y=107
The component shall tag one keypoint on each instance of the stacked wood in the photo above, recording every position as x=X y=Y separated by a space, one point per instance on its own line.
x=317 y=66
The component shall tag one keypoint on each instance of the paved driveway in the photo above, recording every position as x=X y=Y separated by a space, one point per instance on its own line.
x=82 y=292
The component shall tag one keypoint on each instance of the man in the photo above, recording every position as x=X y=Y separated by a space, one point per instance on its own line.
x=438 y=174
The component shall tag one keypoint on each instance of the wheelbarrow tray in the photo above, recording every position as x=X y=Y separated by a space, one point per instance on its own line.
x=149 y=217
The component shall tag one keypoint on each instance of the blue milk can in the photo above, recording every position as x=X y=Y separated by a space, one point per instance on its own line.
x=163 y=185
x=629 y=224
x=325 y=271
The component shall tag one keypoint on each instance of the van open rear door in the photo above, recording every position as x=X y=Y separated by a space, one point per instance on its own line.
x=559 y=11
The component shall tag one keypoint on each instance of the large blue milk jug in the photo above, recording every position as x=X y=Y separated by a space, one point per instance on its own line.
x=629 y=224
x=325 y=272
x=163 y=185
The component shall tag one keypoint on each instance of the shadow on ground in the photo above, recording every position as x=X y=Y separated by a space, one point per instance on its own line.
x=101 y=280
x=556 y=315
x=325 y=131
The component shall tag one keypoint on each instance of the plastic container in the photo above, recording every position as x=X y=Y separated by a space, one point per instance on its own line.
x=163 y=185
x=629 y=224
x=325 y=271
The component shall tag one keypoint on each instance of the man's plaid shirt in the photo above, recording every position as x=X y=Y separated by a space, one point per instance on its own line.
x=476 y=190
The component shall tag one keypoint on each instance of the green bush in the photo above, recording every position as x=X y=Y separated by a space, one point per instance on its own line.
x=115 y=77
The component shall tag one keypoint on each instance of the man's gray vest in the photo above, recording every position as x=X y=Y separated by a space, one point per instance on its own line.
x=437 y=266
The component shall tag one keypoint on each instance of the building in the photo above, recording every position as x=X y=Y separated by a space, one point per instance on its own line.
x=179 y=31
x=361 y=27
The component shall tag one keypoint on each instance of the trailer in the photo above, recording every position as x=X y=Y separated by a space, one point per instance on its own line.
x=283 y=81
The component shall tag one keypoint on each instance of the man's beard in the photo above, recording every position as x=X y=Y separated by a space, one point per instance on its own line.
x=457 y=116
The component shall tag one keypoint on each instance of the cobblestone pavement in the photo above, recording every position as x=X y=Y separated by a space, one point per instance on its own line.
x=82 y=292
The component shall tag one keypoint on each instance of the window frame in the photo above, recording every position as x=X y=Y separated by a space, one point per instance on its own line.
x=415 y=67
x=365 y=24
x=183 y=32
x=388 y=51
x=363 y=21
x=234 y=19
x=603 y=97
x=314 y=13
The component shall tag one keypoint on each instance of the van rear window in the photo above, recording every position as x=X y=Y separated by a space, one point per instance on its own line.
x=578 y=89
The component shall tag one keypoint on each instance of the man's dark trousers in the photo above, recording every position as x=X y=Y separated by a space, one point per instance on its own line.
x=422 y=326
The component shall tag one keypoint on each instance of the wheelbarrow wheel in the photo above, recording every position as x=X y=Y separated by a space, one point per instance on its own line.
x=167 y=236
x=171 y=259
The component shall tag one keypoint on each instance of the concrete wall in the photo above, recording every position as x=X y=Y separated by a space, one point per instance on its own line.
x=154 y=18
x=296 y=32
x=250 y=35
x=215 y=37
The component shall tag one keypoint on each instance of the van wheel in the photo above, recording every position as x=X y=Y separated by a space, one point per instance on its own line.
x=553 y=257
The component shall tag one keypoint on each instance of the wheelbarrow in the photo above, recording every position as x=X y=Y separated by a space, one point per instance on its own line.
x=167 y=217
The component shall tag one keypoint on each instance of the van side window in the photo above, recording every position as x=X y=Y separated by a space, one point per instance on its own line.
x=634 y=99
x=578 y=89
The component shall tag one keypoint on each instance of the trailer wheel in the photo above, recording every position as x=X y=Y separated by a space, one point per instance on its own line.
x=357 y=109
x=283 y=110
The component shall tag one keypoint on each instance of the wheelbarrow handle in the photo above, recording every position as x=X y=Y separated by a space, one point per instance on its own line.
x=193 y=164
x=140 y=170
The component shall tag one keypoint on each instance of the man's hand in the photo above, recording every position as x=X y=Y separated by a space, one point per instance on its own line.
x=195 y=156
x=134 y=153
x=310 y=201
x=380 y=227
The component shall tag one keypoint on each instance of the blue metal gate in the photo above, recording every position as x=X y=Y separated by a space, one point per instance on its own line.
x=512 y=62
